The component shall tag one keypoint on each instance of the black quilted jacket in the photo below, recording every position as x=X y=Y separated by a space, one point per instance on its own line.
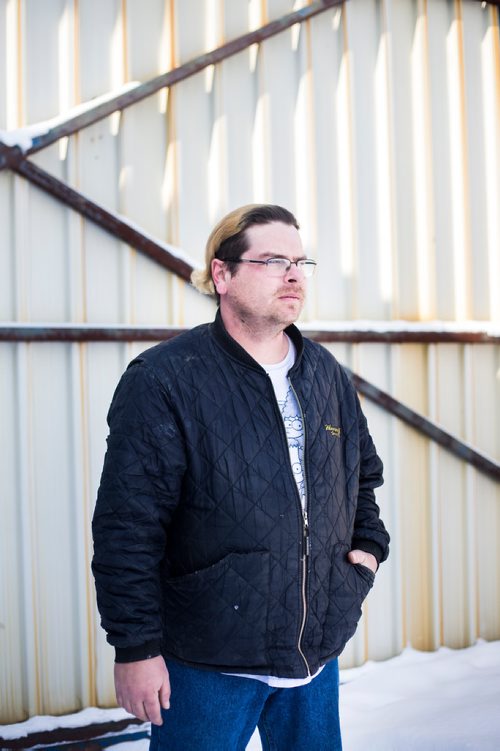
x=201 y=550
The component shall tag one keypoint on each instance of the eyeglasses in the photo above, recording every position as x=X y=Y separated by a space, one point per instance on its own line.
x=279 y=266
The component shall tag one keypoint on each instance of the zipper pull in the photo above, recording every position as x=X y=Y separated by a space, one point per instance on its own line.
x=307 y=542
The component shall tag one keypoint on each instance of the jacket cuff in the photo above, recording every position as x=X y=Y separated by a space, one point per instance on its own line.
x=368 y=546
x=140 y=652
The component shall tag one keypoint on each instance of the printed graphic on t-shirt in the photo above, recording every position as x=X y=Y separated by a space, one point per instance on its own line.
x=295 y=434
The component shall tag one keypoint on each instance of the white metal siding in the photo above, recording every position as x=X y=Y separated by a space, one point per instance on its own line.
x=378 y=123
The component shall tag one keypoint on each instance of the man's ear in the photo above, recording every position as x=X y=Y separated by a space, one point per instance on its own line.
x=219 y=275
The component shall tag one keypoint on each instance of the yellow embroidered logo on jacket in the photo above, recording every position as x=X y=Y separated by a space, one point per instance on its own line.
x=333 y=430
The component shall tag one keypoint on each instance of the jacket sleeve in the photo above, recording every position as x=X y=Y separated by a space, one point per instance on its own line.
x=139 y=490
x=369 y=532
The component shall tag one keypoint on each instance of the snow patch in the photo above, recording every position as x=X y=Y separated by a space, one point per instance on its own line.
x=44 y=723
x=25 y=137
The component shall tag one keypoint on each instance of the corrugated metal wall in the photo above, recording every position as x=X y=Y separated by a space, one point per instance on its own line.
x=378 y=123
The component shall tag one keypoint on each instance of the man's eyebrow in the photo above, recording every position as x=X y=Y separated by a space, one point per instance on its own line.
x=274 y=254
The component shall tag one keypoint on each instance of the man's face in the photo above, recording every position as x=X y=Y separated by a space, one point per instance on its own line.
x=256 y=297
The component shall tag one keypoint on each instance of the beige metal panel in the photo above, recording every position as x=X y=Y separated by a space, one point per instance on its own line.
x=12 y=682
x=439 y=19
x=47 y=248
x=12 y=91
x=100 y=47
x=142 y=159
x=5 y=56
x=20 y=248
x=53 y=529
x=450 y=504
x=105 y=263
x=402 y=19
x=334 y=286
x=192 y=124
x=236 y=145
x=82 y=504
x=236 y=151
x=485 y=433
x=364 y=20
x=76 y=281
x=487 y=571
x=383 y=611
x=484 y=399
x=278 y=91
x=490 y=58
x=147 y=38
x=474 y=28
x=142 y=150
x=425 y=279
x=41 y=64
x=184 y=12
x=239 y=17
x=100 y=67
x=452 y=240
x=141 y=166
x=412 y=500
x=7 y=258
x=196 y=308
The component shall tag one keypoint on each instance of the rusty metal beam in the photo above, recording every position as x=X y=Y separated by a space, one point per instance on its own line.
x=85 y=333
x=403 y=337
x=115 y=225
x=427 y=428
x=26 y=333
x=124 y=100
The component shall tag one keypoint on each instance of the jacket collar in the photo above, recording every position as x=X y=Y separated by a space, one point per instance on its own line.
x=235 y=350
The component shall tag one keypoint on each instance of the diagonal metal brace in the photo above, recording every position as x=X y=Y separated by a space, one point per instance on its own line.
x=426 y=427
x=116 y=225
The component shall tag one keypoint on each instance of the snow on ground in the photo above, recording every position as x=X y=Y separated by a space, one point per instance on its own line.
x=447 y=700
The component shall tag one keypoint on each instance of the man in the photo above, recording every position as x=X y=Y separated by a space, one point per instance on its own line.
x=236 y=531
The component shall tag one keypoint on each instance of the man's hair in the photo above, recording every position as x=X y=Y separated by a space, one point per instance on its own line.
x=228 y=239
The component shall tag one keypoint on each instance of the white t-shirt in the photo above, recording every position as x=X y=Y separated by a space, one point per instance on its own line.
x=294 y=427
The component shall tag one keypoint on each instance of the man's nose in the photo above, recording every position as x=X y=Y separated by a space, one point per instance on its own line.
x=294 y=273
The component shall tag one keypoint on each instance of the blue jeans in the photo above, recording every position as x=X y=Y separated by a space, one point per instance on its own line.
x=210 y=711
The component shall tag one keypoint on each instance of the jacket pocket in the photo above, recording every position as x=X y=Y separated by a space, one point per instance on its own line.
x=349 y=585
x=218 y=615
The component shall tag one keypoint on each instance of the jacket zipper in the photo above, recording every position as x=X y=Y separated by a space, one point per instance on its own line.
x=306 y=543
x=305 y=546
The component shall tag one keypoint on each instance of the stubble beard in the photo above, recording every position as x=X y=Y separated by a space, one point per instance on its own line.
x=268 y=324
